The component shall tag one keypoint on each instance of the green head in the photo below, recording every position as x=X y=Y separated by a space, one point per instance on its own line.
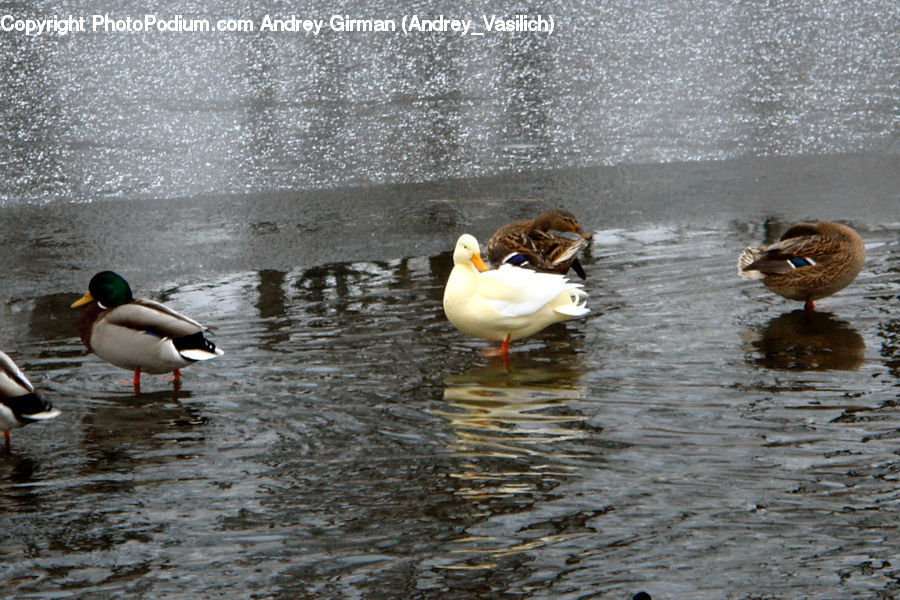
x=108 y=289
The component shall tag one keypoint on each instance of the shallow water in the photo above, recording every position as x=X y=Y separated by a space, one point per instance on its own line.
x=694 y=436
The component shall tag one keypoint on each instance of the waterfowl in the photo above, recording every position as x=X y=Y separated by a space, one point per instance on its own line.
x=19 y=405
x=530 y=244
x=506 y=303
x=812 y=261
x=138 y=334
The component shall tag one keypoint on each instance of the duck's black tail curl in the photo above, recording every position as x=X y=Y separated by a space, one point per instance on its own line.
x=29 y=408
x=196 y=347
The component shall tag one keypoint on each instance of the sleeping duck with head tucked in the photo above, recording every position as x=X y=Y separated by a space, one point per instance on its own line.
x=138 y=334
x=811 y=261
x=531 y=244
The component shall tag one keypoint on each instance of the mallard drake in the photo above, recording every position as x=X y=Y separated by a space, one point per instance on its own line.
x=530 y=244
x=19 y=405
x=138 y=334
x=812 y=261
x=507 y=303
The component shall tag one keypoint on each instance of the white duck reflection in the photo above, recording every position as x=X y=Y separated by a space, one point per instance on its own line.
x=512 y=413
x=519 y=435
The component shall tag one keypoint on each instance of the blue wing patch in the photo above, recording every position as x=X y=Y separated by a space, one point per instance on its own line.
x=515 y=259
x=801 y=262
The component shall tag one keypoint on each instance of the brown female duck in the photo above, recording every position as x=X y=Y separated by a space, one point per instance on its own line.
x=812 y=261
x=530 y=244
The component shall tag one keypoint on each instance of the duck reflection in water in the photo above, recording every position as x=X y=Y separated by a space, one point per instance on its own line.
x=508 y=413
x=125 y=432
x=806 y=341
x=517 y=433
x=514 y=429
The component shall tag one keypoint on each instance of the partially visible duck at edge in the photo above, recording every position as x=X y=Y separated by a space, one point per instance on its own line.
x=139 y=334
x=812 y=261
x=530 y=244
x=19 y=404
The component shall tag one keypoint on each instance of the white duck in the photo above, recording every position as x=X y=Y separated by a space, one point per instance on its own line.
x=508 y=303
x=19 y=405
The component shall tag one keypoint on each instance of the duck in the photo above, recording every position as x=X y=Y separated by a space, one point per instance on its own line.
x=19 y=404
x=530 y=244
x=507 y=303
x=138 y=334
x=811 y=261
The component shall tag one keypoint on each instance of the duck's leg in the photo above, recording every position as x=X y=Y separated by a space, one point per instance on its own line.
x=808 y=305
x=176 y=375
x=6 y=435
x=503 y=350
x=504 y=353
x=137 y=381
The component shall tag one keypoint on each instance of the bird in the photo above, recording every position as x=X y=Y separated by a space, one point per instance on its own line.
x=642 y=596
x=507 y=303
x=812 y=261
x=19 y=404
x=530 y=244
x=138 y=334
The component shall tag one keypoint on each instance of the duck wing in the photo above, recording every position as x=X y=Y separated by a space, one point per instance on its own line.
x=802 y=245
x=153 y=317
x=537 y=249
x=563 y=252
x=13 y=381
x=515 y=292
x=511 y=239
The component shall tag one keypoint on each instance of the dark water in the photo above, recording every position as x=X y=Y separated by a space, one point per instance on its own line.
x=694 y=436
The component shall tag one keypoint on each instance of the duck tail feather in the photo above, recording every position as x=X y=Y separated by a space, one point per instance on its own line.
x=747 y=258
x=196 y=347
